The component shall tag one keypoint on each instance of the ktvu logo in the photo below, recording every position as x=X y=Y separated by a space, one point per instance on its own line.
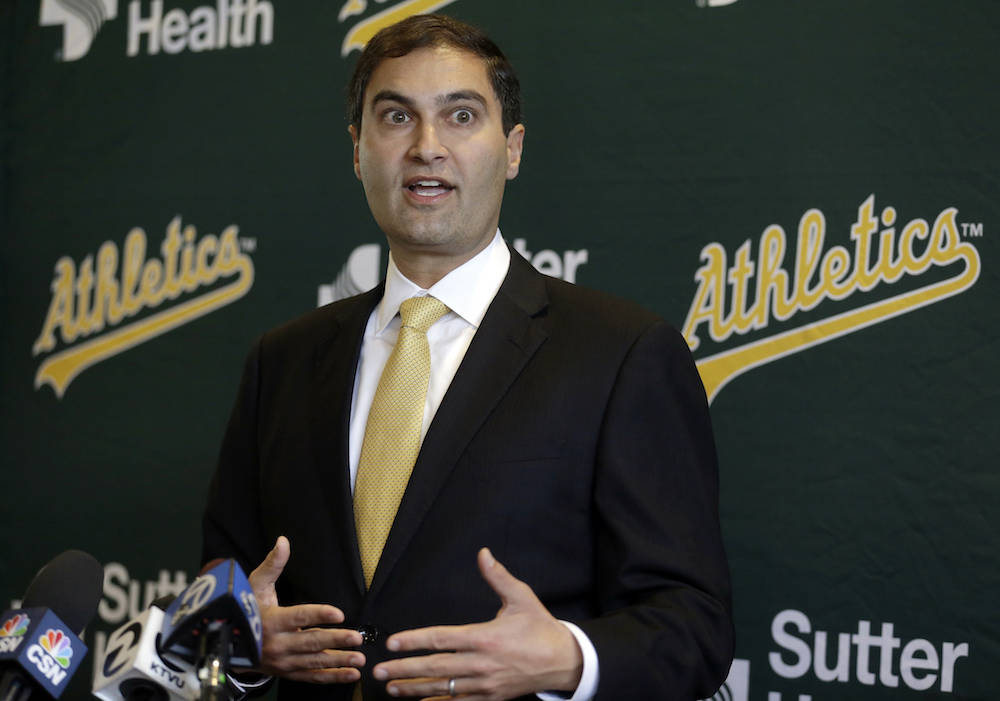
x=80 y=19
x=52 y=655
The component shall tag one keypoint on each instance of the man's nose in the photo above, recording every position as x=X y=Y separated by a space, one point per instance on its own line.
x=427 y=147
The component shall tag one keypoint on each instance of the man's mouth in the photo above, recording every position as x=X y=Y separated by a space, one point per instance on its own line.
x=429 y=187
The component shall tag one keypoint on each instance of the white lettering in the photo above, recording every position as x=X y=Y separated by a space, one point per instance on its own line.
x=150 y=26
x=918 y=654
x=46 y=665
x=919 y=660
x=10 y=644
x=236 y=23
x=549 y=262
x=114 y=604
x=797 y=647
x=174 y=31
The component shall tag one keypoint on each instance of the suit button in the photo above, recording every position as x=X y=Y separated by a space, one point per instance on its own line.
x=369 y=633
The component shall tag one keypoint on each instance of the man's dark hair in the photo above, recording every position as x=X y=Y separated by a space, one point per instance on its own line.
x=421 y=31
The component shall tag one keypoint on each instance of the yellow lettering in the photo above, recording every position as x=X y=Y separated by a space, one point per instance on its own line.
x=861 y=232
x=60 y=313
x=772 y=281
x=189 y=281
x=152 y=290
x=171 y=246
x=84 y=285
x=710 y=297
x=206 y=247
x=135 y=255
x=917 y=228
x=836 y=266
x=739 y=278
x=812 y=229
x=106 y=297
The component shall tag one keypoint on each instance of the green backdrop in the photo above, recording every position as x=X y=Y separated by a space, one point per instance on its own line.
x=809 y=189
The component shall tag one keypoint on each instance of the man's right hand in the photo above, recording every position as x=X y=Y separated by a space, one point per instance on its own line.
x=293 y=646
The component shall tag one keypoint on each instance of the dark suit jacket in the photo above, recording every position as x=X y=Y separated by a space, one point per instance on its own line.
x=574 y=442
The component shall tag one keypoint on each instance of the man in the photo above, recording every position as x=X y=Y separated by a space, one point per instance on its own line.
x=563 y=433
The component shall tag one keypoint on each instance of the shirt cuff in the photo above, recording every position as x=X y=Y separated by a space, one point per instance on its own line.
x=587 y=687
x=247 y=683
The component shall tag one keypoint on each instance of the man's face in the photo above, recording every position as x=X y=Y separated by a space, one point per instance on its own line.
x=432 y=155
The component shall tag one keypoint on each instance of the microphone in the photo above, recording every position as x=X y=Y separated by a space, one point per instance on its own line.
x=39 y=643
x=215 y=625
x=133 y=668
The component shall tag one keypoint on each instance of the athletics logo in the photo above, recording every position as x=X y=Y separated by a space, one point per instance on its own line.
x=100 y=294
x=362 y=32
x=882 y=259
x=80 y=19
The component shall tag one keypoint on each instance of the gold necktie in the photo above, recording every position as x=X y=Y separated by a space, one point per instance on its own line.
x=392 y=434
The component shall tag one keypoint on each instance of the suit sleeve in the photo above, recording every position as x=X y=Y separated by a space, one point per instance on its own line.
x=663 y=580
x=231 y=525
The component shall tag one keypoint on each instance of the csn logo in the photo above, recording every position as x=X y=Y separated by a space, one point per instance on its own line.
x=12 y=632
x=51 y=655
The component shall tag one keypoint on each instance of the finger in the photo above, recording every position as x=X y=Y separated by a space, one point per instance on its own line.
x=342 y=675
x=424 y=687
x=314 y=640
x=509 y=588
x=459 y=638
x=291 y=618
x=448 y=664
x=287 y=663
x=262 y=579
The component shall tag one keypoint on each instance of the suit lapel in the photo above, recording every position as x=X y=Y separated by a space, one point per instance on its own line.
x=336 y=363
x=511 y=331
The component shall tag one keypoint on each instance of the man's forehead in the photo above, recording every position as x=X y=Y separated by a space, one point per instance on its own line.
x=445 y=72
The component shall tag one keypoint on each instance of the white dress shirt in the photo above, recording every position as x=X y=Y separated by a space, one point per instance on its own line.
x=468 y=291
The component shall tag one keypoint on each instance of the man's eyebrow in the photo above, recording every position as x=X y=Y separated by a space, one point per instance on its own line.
x=441 y=100
x=462 y=96
x=391 y=96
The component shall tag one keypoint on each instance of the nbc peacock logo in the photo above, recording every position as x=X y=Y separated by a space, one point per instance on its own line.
x=15 y=627
x=58 y=646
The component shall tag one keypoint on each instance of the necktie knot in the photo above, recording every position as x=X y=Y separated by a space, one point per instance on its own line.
x=420 y=313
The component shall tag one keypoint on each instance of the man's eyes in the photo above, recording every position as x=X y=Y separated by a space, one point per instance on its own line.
x=396 y=117
x=463 y=116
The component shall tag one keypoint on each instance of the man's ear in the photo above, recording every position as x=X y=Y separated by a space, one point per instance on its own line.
x=515 y=143
x=355 y=137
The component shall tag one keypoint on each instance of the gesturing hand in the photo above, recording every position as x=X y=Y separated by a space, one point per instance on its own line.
x=292 y=646
x=523 y=650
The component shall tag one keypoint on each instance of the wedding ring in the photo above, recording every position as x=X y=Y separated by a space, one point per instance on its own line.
x=451 y=686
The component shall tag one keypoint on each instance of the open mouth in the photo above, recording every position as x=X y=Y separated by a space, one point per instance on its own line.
x=429 y=187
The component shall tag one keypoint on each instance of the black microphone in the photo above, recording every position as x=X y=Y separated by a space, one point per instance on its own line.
x=39 y=643
x=133 y=668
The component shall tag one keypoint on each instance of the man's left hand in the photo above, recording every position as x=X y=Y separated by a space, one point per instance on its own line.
x=524 y=650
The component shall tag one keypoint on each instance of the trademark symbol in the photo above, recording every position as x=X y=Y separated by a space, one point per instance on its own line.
x=248 y=245
x=972 y=230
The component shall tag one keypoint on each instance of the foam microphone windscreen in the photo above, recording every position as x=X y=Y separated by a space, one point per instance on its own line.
x=70 y=585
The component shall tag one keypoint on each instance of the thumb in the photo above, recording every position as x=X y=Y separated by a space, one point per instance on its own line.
x=262 y=579
x=512 y=591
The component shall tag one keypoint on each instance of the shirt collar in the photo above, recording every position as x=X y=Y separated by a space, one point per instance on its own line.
x=467 y=290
